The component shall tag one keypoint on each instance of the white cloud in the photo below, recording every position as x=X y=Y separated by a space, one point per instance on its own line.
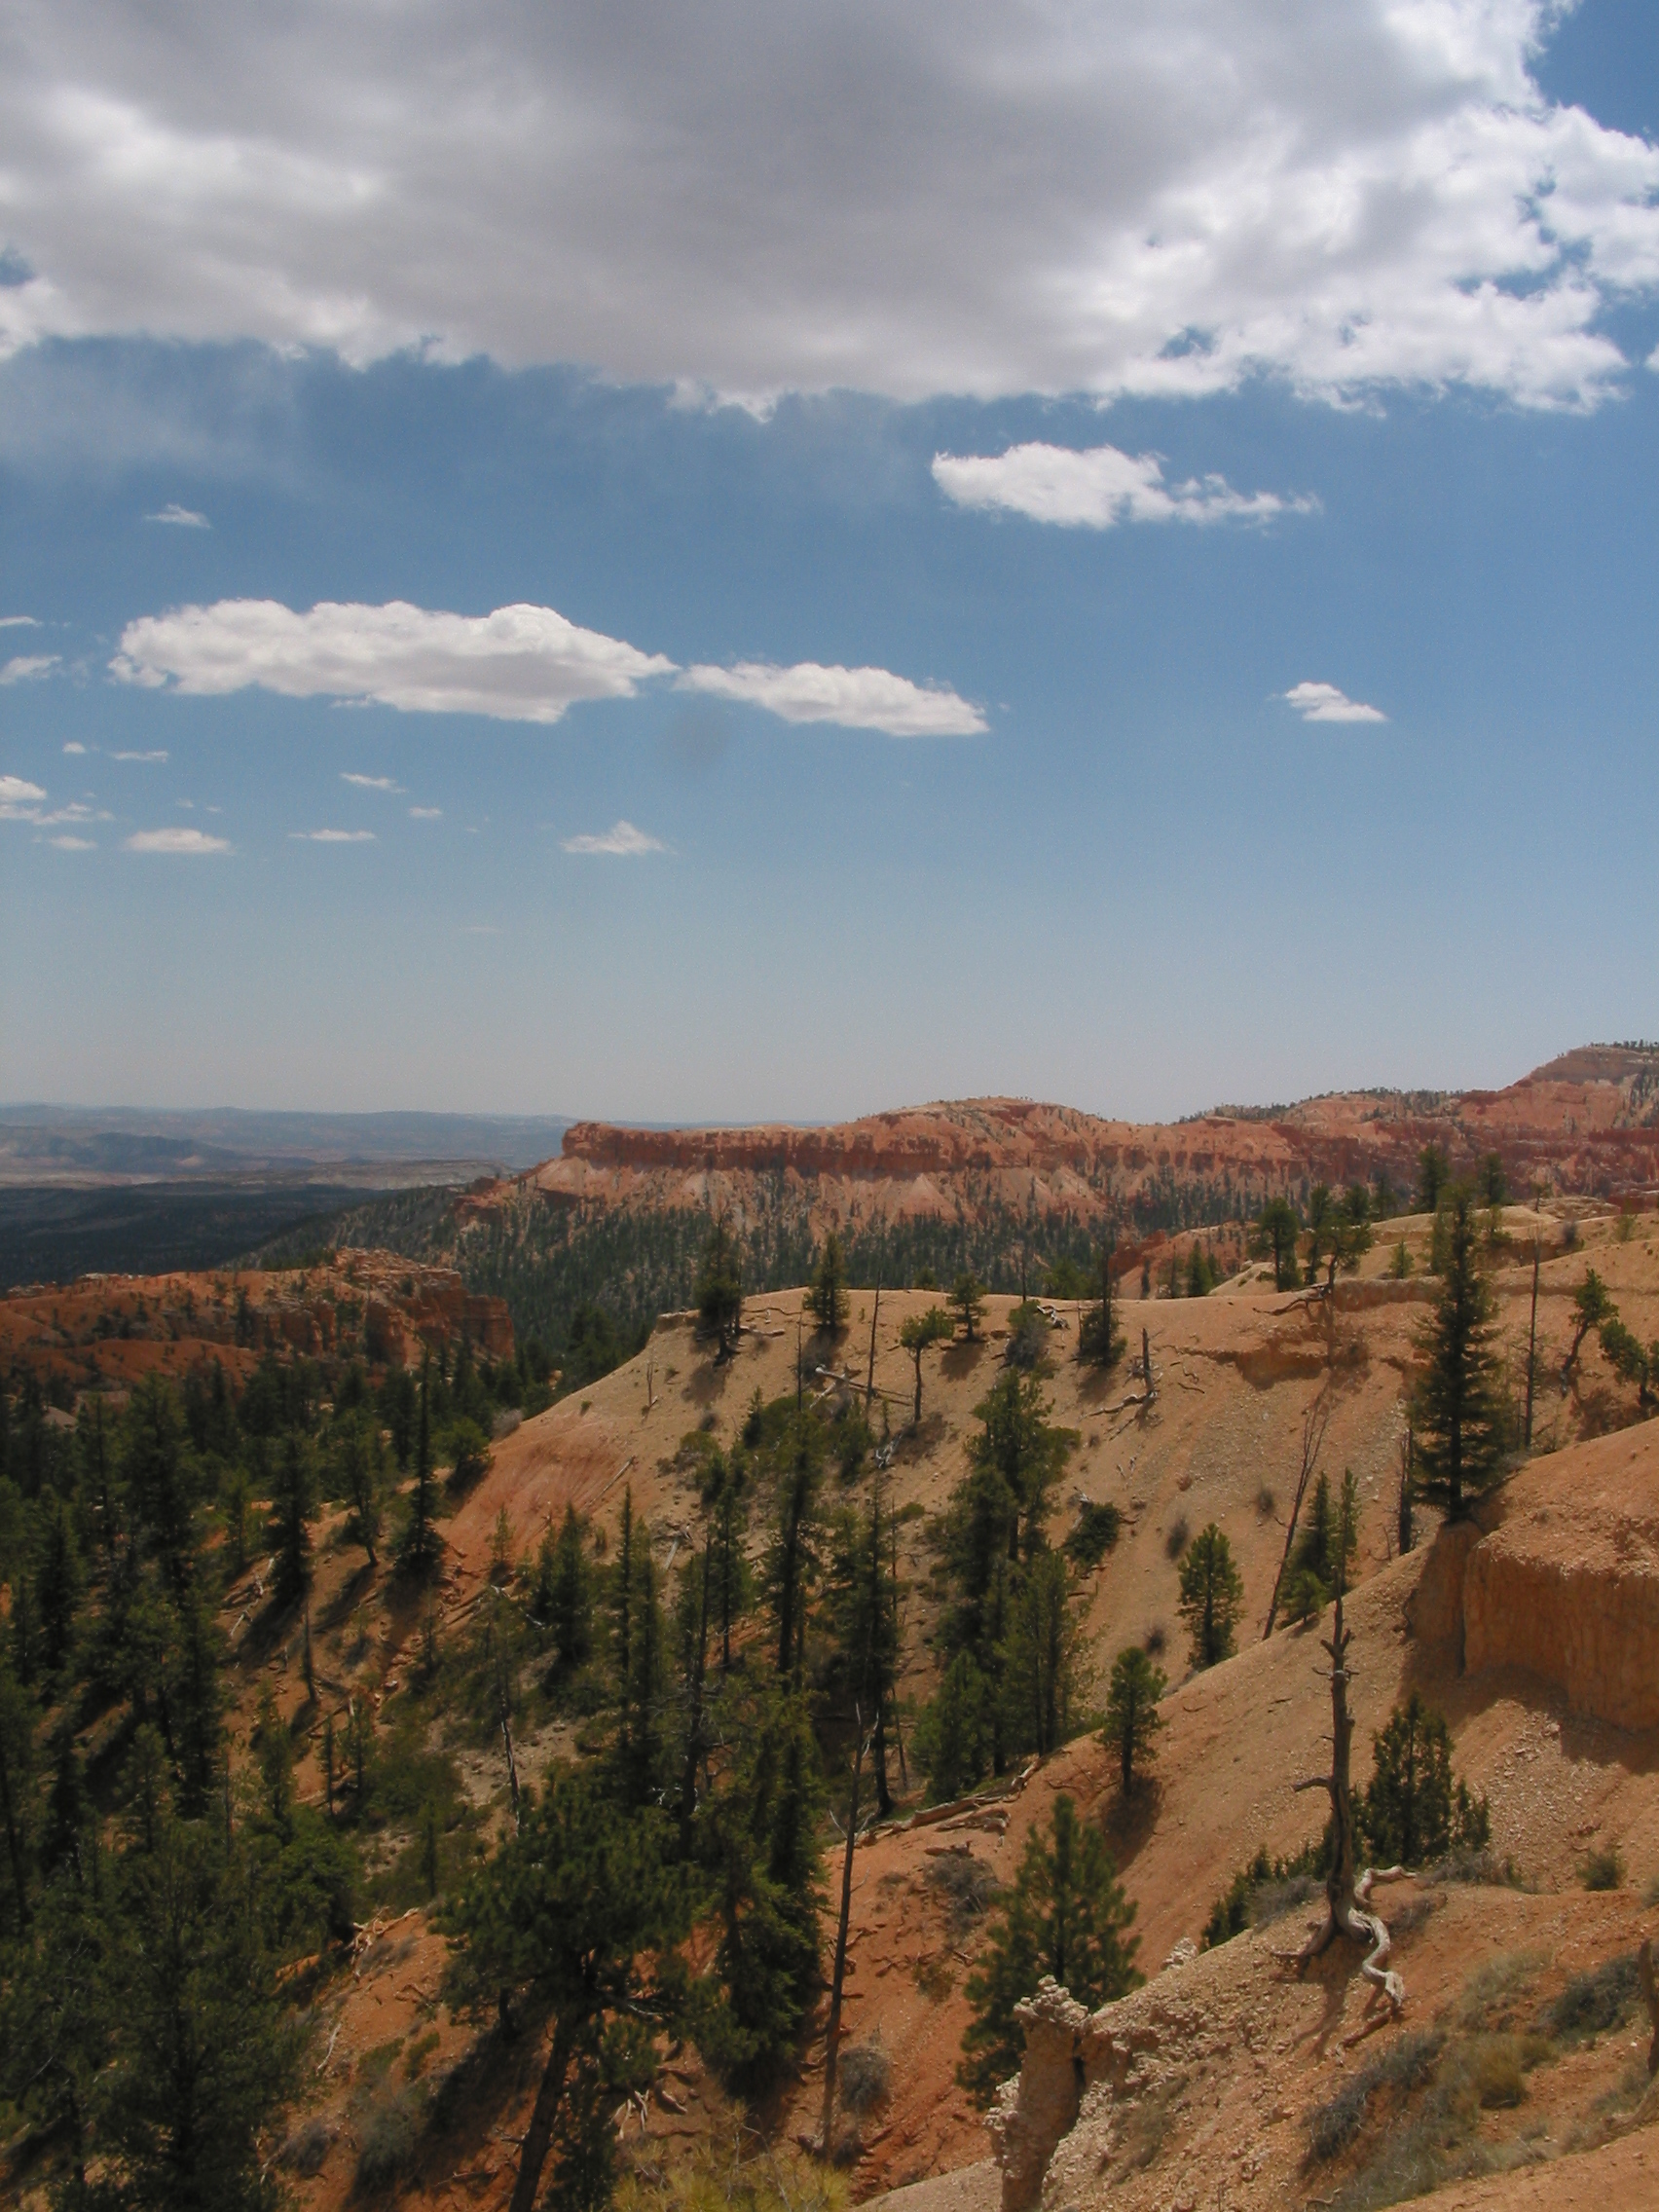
x=183 y=518
x=74 y=745
x=28 y=668
x=960 y=197
x=1324 y=703
x=853 y=698
x=333 y=836
x=369 y=782
x=19 y=623
x=175 y=841
x=425 y=813
x=146 y=759
x=518 y=664
x=73 y=844
x=18 y=798
x=622 y=838
x=1097 y=489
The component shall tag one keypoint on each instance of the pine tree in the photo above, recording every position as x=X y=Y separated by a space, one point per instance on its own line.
x=953 y=1737
x=726 y=1500
x=759 y=1836
x=566 y=1605
x=1043 y=1670
x=793 y=1562
x=1099 y=1339
x=57 y=1581
x=968 y=1296
x=827 y=1300
x=867 y=1626
x=362 y=1477
x=1434 y=1174
x=1212 y=1593
x=16 y=1787
x=918 y=1333
x=292 y=1506
x=1592 y=1310
x=1415 y=1810
x=1458 y=1415
x=1132 y=1718
x=580 y=1908
x=418 y=1552
x=1274 y=1238
x=717 y=1292
x=640 y=1735
x=1066 y=1916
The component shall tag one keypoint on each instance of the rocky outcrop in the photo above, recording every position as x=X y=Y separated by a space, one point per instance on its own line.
x=1568 y=1587
x=1590 y=1123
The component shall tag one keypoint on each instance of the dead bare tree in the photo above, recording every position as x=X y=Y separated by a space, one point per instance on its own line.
x=1314 y=1423
x=833 y=2034
x=1348 y=1899
x=870 y=1379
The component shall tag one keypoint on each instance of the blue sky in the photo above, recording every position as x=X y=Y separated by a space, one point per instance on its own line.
x=861 y=779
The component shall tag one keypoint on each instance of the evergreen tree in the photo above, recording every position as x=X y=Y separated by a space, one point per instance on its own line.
x=566 y=1604
x=1458 y=1416
x=757 y=1837
x=1025 y=1453
x=792 y=1561
x=1323 y=1555
x=1592 y=1309
x=1043 y=1676
x=827 y=1300
x=640 y=1734
x=726 y=1500
x=717 y=1292
x=202 y=2059
x=1274 y=1238
x=1066 y=1916
x=1212 y=1593
x=866 y=1627
x=1100 y=1338
x=1494 y=1182
x=580 y=1908
x=291 y=1508
x=1132 y=1718
x=1434 y=1175
x=953 y=1737
x=17 y=1788
x=1415 y=1810
x=419 y=1551
x=968 y=1296
x=918 y=1333
x=362 y=1478
x=57 y=1581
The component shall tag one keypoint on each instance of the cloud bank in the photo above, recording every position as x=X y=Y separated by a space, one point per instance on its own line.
x=1096 y=489
x=1324 y=703
x=518 y=664
x=178 y=842
x=621 y=838
x=941 y=199
x=853 y=698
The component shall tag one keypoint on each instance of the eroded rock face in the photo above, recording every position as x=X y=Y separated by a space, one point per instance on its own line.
x=1569 y=1590
x=1039 y=2105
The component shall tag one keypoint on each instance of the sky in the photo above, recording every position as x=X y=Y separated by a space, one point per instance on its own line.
x=767 y=562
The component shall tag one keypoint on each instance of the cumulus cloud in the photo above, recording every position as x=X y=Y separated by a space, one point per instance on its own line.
x=620 y=838
x=175 y=841
x=74 y=745
x=369 y=782
x=182 y=518
x=1097 y=488
x=518 y=664
x=1324 y=703
x=853 y=698
x=940 y=197
x=18 y=798
x=28 y=668
x=333 y=836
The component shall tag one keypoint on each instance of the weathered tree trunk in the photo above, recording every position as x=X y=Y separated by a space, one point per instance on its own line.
x=1347 y=1900
x=833 y=2034
x=1146 y=1367
x=534 y=2154
x=1315 y=1423
x=870 y=1379
x=1650 y=1993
